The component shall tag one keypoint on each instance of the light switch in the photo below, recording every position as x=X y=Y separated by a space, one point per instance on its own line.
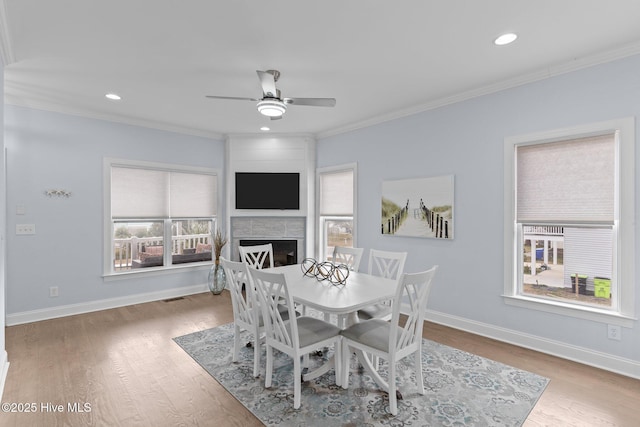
x=21 y=210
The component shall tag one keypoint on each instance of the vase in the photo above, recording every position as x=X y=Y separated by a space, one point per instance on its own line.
x=217 y=279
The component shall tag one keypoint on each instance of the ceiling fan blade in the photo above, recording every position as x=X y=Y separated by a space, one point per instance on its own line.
x=314 y=102
x=268 y=82
x=276 y=118
x=231 y=97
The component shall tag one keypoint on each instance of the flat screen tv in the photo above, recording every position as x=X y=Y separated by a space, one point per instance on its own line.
x=268 y=190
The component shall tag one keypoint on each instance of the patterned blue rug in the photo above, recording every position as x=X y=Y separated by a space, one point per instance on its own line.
x=461 y=389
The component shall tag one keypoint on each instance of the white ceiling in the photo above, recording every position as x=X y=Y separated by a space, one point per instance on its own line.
x=380 y=59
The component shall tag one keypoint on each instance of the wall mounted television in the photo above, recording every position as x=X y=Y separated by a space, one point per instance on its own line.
x=268 y=190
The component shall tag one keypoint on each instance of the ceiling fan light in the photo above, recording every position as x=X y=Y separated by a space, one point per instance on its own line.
x=272 y=107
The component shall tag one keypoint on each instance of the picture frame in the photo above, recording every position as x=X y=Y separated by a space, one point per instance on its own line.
x=418 y=207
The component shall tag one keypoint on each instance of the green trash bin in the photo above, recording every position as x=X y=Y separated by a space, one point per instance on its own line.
x=602 y=287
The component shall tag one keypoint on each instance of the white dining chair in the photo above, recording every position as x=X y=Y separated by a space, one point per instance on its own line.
x=296 y=337
x=394 y=340
x=350 y=257
x=257 y=256
x=246 y=310
x=246 y=315
x=389 y=265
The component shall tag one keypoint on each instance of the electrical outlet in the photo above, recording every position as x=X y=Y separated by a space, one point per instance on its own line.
x=53 y=291
x=614 y=332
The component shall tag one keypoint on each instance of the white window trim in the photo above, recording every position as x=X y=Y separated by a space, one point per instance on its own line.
x=319 y=223
x=625 y=246
x=108 y=273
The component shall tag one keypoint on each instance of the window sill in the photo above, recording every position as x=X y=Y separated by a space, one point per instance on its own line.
x=581 y=312
x=156 y=271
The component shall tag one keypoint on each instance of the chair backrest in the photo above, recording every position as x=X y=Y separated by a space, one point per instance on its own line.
x=272 y=289
x=386 y=264
x=412 y=289
x=257 y=256
x=351 y=257
x=245 y=309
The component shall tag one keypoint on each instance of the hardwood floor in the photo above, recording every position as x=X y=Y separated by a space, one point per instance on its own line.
x=124 y=365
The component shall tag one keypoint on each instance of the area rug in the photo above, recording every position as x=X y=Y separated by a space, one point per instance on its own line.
x=461 y=389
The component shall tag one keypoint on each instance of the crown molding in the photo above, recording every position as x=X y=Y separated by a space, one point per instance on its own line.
x=6 y=50
x=552 y=71
x=151 y=124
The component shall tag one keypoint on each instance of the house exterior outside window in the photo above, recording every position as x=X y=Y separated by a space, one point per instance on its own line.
x=569 y=208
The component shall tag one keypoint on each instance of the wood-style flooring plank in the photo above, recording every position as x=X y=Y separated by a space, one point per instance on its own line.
x=125 y=365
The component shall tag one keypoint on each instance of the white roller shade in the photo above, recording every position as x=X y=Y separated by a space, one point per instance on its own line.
x=139 y=193
x=147 y=193
x=567 y=181
x=193 y=195
x=336 y=193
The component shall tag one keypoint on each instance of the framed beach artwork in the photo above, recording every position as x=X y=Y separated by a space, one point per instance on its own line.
x=421 y=207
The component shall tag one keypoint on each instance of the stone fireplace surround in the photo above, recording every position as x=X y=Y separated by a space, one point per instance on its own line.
x=267 y=228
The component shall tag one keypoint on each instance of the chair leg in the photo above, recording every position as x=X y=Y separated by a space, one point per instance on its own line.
x=391 y=381
x=236 y=343
x=337 y=361
x=346 y=358
x=256 y=357
x=419 y=377
x=269 y=367
x=297 y=382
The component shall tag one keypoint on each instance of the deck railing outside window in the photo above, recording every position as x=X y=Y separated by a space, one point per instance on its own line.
x=127 y=249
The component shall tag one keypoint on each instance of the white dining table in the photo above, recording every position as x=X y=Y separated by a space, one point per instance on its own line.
x=359 y=290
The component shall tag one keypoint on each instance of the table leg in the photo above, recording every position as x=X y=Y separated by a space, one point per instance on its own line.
x=321 y=370
x=366 y=364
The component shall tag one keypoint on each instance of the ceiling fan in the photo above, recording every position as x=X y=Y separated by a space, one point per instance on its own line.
x=272 y=104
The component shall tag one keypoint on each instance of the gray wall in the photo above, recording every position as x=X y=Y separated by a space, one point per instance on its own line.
x=467 y=139
x=47 y=150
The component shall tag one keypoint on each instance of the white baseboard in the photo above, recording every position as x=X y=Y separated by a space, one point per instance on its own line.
x=4 y=370
x=105 y=304
x=619 y=365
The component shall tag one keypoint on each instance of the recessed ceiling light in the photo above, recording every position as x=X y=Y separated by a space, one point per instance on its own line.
x=113 y=96
x=505 y=39
x=264 y=128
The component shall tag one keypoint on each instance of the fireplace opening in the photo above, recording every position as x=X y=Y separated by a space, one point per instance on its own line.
x=285 y=252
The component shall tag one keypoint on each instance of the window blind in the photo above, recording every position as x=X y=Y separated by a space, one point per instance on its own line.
x=192 y=195
x=147 y=193
x=567 y=181
x=336 y=193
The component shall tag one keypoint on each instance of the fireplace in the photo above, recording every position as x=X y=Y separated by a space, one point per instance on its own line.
x=285 y=252
x=286 y=234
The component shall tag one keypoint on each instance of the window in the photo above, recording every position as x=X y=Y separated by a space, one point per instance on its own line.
x=336 y=193
x=158 y=215
x=569 y=217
